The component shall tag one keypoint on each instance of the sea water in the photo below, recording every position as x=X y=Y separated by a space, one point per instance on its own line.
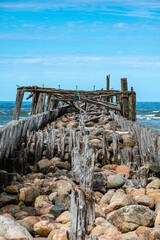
x=148 y=113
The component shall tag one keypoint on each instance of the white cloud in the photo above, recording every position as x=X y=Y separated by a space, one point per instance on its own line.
x=28 y=25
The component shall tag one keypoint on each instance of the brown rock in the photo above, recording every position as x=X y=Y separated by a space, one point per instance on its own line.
x=141 y=229
x=98 y=196
x=128 y=140
x=44 y=210
x=63 y=218
x=8 y=215
x=8 y=207
x=98 y=230
x=154 y=194
x=43 y=228
x=32 y=220
x=145 y=200
x=12 y=189
x=154 y=184
x=41 y=201
x=150 y=234
x=157 y=221
x=59 y=235
x=123 y=169
x=112 y=233
x=134 y=192
x=28 y=195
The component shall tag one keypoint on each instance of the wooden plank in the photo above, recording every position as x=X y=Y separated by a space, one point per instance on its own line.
x=17 y=109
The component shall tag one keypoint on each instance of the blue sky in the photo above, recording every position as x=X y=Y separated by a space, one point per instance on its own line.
x=75 y=42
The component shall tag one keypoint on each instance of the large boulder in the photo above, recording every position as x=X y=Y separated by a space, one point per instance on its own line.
x=131 y=217
x=11 y=229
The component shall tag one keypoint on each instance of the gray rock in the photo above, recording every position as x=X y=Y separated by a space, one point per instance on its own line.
x=11 y=229
x=107 y=197
x=115 y=181
x=131 y=217
x=27 y=226
x=57 y=209
x=100 y=182
x=6 y=199
x=44 y=165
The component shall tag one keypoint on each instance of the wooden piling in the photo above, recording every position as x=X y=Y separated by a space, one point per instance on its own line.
x=82 y=200
x=124 y=106
x=17 y=109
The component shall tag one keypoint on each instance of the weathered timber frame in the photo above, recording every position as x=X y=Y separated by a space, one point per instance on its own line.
x=125 y=102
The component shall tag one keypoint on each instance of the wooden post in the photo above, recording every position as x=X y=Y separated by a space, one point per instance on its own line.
x=82 y=200
x=34 y=103
x=40 y=103
x=108 y=83
x=124 y=89
x=17 y=109
x=132 y=105
x=108 y=86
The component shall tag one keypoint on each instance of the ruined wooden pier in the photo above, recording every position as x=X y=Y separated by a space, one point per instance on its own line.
x=20 y=136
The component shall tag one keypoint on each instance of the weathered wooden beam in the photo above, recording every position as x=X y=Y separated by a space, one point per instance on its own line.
x=18 y=103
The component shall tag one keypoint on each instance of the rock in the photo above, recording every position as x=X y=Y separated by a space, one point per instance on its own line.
x=115 y=181
x=20 y=215
x=154 y=193
x=63 y=197
x=63 y=185
x=121 y=198
x=28 y=195
x=11 y=229
x=131 y=183
x=41 y=201
x=3 y=179
x=8 y=215
x=101 y=221
x=6 y=199
x=145 y=200
x=123 y=169
x=134 y=192
x=27 y=226
x=8 y=207
x=44 y=210
x=12 y=189
x=43 y=228
x=98 y=230
x=131 y=217
x=99 y=211
x=155 y=167
x=154 y=184
x=58 y=209
x=52 y=197
x=128 y=140
x=63 y=218
x=96 y=142
x=112 y=233
x=32 y=220
x=150 y=234
x=33 y=176
x=130 y=236
x=44 y=165
x=98 y=197
x=157 y=221
x=107 y=197
x=157 y=207
x=100 y=182
x=141 y=229
x=59 y=235
x=63 y=165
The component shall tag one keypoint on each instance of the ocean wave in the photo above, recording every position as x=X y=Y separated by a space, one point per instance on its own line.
x=148 y=117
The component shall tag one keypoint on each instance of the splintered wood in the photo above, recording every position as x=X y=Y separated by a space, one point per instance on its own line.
x=83 y=199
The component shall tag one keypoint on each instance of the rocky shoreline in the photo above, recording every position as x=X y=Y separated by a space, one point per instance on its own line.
x=127 y=198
